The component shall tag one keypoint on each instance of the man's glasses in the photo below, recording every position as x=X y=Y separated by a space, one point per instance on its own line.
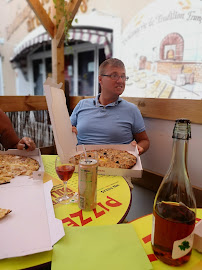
x=115 y=77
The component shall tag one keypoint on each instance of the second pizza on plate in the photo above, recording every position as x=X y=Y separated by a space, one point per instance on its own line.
x=113 y=158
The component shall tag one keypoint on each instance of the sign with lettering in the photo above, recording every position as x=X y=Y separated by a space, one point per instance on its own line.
x=28 y=16
x=34 y=22
x=162 y=51
x=113 y=199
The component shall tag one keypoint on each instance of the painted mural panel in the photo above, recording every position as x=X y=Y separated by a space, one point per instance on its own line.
x=162 y=50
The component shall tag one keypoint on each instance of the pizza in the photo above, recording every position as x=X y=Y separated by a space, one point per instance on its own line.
x=13 y=165
x=112 y=158
x=4 y=212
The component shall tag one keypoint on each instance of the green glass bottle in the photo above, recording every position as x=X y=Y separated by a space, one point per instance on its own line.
x=174 y=209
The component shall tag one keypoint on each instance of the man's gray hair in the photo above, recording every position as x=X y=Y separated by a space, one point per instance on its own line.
x=113 y=62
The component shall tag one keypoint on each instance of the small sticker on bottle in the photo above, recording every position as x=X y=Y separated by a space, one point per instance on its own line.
x=182 y=247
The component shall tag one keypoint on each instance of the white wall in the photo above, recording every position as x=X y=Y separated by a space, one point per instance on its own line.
x=157 y=158
x=22 y=85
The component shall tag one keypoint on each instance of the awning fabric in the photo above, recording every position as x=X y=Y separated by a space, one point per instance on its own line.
x=39 y=36
x=93 y=36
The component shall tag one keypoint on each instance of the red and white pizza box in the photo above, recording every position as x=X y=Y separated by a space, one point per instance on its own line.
x=65 y=139
x=198 y=236
x=31 y=227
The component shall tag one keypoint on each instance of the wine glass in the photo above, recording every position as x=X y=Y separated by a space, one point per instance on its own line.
x=65 y=167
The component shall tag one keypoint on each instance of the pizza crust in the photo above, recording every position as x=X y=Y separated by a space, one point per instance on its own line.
x=12 y=165
x=113 y=158
x=4 y=212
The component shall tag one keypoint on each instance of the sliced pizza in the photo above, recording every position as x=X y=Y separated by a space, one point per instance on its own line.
x=12 y=165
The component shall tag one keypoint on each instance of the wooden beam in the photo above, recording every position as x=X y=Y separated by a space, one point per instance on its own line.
x=58 y=53
x=71 y=10
x=58 y=63
x=166 y=109
x=23 y=103
x=60 y=35
x=74 y=100
x=169 y=109
x=42 y=16
x=58 y=40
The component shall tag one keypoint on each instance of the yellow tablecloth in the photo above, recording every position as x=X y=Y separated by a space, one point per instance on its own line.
x=143 y=227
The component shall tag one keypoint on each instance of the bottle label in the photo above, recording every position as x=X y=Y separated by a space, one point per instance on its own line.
x=183 y=246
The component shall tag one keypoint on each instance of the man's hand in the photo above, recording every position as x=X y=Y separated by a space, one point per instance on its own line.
x=74 y=129
x=139 y=148
x=26 y=143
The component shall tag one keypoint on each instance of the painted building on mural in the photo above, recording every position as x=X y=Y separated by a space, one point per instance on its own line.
x=162 y=50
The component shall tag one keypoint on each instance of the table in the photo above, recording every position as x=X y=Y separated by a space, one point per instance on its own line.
x=143 y=227
x=113 y=197
x=112 y=187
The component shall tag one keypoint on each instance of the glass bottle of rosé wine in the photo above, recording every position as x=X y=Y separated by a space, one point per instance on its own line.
x=174 y=209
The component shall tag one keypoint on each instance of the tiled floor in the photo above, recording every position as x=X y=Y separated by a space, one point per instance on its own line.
x=142 y=203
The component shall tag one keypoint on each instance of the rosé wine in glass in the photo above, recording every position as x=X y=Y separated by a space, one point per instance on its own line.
x=65 y=170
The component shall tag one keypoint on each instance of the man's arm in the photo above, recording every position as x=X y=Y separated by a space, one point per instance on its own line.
x=142 y=141
x=8 y=137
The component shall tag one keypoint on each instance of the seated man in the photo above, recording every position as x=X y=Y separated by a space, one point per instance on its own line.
x=107 y=118
x=8 y=137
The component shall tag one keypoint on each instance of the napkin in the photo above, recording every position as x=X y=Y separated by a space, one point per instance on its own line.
x=100 y=247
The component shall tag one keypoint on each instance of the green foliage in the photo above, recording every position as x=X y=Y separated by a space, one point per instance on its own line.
x=68 y=18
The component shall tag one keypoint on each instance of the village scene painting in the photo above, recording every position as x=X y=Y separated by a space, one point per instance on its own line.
x=162 y=50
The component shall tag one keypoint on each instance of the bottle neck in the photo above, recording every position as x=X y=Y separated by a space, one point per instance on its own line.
x=176 y=186
x=179 y=155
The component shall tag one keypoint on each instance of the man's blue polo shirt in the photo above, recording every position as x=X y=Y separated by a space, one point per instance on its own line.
x=114 y=123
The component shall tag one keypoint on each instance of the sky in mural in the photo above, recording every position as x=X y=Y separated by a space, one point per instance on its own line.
x=162 y=50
